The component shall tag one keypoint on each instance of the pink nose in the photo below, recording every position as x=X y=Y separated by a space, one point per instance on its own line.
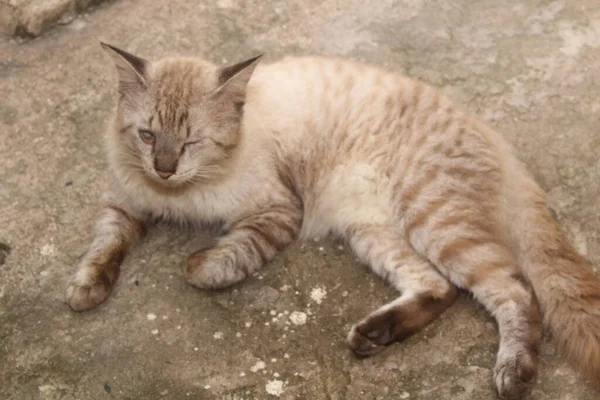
x=164 y=174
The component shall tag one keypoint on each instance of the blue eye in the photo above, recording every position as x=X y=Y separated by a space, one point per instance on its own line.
x=147 y=137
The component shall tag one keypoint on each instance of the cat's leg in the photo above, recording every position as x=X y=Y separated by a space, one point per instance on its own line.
x=425 y=294
x=98 y=270
x=250 y=243
x=483 y=265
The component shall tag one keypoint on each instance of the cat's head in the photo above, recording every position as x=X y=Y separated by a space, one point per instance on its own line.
x=178 y=120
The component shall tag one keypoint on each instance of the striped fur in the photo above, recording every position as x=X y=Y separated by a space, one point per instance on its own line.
x=428 y=196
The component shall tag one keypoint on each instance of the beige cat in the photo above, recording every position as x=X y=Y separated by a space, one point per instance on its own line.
x=427 y=195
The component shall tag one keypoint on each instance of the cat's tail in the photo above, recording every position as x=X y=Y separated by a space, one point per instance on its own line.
x=565 y=285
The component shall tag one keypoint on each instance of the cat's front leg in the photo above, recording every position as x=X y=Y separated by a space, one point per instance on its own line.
x=251 y=242
x=98 y=270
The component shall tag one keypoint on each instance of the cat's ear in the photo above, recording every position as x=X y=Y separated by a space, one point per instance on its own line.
x=133 y=71
x=234 y=79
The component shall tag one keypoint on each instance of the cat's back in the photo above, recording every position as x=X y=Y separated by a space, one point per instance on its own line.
x=330 y=96
x=319 y=91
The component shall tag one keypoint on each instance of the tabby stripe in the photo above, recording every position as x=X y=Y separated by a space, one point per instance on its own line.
x=410 y=194
x=459 y=247
x=125 y=128
x=425 y=215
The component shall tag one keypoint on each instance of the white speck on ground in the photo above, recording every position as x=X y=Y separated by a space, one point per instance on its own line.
x=275 y=387
x=207 y=387
x=275 y=374
x=238 y=334
x=285 y=288
x=218 y=335
x=155 y=331
x=286 y=355
x=273 y=360
x=258 y=366
x=248 y=324
x=151 y=317
x=242 y=374
x=298 y=318
x=318 y=294
x=404 y=395
x=47 y=250
x=273 y=312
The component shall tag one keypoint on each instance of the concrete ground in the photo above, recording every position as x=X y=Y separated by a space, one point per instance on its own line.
x=529 y=67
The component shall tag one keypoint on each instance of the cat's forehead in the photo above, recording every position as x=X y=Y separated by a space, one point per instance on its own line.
x=176 y=85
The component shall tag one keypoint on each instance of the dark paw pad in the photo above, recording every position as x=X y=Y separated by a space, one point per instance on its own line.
x=375 y=332
x=361 y=345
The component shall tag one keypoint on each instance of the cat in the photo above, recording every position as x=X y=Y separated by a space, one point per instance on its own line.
x=425 y=194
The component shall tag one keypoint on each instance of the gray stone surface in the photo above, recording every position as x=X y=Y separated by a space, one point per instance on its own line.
x=529 y=67
x=29 y=18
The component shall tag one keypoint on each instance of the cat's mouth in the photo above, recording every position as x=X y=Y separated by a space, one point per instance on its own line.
x=171 y=180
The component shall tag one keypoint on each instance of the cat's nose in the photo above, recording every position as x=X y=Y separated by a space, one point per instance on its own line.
x=164 y=174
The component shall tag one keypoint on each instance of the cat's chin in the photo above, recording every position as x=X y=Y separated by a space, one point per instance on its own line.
x=172 y=182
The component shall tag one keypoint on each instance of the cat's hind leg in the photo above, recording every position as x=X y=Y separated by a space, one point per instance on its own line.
x=425 y=293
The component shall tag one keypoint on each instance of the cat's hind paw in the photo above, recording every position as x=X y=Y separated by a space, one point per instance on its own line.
x=361 y=345
x=515 y=375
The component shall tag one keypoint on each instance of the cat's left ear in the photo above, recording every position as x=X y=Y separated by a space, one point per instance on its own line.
x=133 y=70
x=234 y=79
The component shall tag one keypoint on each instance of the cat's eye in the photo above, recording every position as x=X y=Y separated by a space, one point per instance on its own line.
x=191 y=143
x=147 y=137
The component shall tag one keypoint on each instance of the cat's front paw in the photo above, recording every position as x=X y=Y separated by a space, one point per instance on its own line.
x=85 y=292
x=213 y=269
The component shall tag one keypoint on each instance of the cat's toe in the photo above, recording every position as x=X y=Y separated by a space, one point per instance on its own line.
x=83 y=295
x=514 y=376
x=361 y=345
x=206 y=271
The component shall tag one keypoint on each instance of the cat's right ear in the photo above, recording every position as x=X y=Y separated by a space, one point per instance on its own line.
x=133 y=71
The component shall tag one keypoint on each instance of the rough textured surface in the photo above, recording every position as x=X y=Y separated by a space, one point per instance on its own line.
x=529 y=67
x=29 y=18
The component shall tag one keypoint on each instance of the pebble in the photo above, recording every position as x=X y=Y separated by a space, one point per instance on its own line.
x=318 y=294
x=298 y=318
x=275 y=387
x=258 y=366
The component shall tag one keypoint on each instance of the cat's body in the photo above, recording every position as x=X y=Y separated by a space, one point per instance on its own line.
x=426 y=195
